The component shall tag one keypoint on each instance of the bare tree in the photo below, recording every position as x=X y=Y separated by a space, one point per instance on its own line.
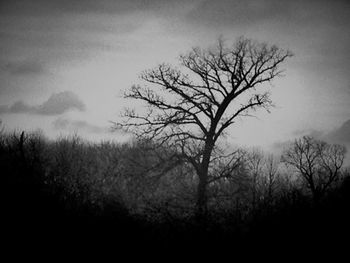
x=255 y=164
x=264 y=177
x=317 y=162
x=191 y=109
x=272 y=177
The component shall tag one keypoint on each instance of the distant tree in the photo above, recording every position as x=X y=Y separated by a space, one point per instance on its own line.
x=255 y=163
x=264 y=177
x=191 y=109
x=317 y=162
x=272 y=178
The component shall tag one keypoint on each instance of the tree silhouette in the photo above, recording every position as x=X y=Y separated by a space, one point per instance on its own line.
x=317 y=162
x=190 y=109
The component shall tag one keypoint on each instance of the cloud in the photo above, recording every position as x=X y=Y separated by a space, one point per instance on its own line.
x=26 y=67
x=57 y=103
x=278 y=147
x=78 y=125
x=251 y=12
x=35 y=7
x=340 y=135
x=240 y=12
x=52 y=36
x=309 y=132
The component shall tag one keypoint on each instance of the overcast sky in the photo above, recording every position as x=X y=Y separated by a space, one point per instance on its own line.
x=65 y=63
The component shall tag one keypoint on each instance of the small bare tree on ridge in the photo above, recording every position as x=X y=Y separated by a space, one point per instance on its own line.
x=317 y=162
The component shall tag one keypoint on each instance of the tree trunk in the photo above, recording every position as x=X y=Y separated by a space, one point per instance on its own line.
x=201 y=205
x=202 y=198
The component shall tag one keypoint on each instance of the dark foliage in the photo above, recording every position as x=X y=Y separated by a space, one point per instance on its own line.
x=74 y=195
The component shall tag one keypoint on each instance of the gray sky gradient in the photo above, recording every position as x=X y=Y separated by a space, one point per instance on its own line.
x=96 y=49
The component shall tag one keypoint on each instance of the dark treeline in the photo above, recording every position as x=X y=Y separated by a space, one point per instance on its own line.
x=137 y=195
